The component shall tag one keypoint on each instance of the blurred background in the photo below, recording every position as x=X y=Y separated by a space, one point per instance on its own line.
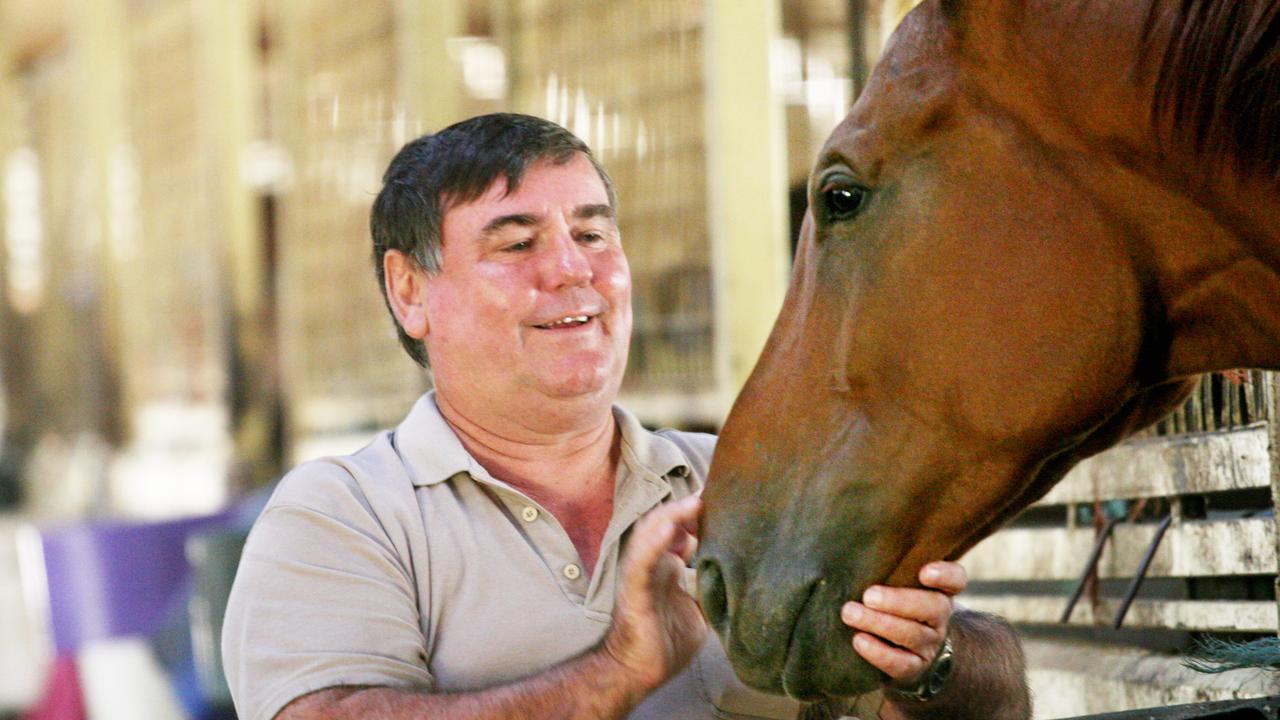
x=187 y=306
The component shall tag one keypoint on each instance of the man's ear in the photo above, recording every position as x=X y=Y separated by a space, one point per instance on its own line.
x=406 y=284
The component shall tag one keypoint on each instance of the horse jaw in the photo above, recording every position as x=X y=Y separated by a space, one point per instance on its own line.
x=779 y=590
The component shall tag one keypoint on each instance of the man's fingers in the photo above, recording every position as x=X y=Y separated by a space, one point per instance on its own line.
x=685 y=546
x=915 y=637
x=684 y=511
x=931 y=607
x=948 y=577
x=650 y=540
x=901 y=630
x=660 y=532
x=901 y=666
x=684 y=515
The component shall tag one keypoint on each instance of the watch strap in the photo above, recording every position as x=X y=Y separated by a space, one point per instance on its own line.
x=934 y=677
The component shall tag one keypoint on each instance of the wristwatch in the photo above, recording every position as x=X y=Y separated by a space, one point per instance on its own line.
x=934 y=677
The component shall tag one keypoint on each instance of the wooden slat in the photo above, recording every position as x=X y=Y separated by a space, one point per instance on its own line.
x=1192 y=549
x=1073 y=678
x=1163 y=466
x=1203 y=615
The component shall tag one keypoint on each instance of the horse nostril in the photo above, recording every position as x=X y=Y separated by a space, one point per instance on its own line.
x=711 y=592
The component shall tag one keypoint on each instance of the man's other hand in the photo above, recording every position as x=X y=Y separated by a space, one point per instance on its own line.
x=657 y=625
x=901 y=630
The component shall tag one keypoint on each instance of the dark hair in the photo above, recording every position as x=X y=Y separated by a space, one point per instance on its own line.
x=1218 y=83
x=455 y=166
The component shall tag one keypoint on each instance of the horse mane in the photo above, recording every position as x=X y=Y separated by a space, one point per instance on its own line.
x=1218 y=79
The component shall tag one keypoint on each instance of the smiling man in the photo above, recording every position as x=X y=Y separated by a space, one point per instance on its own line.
x=517 y=547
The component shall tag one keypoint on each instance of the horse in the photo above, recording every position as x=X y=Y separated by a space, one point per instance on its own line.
x=1040 y=221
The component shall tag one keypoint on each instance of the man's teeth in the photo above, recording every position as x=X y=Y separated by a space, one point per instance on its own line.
x=570 y=320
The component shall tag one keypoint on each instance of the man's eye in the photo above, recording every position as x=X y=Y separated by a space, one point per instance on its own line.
x=592 y=237
x=517 y=247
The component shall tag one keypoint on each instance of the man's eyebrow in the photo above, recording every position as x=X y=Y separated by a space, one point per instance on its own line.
x=582 y=212
x=599 y=210
x=502 y=221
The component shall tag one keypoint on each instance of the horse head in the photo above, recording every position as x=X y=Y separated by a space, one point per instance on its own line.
x=1024 y=242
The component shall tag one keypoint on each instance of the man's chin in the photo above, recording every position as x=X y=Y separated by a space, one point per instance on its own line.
x=585 y=388
x=585 y=381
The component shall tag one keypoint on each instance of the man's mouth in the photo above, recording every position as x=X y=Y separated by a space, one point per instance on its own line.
x=565 y=322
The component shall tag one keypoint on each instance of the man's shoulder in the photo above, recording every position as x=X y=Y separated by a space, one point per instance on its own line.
x=697 y=448
x=692 y=444
x=372 y=475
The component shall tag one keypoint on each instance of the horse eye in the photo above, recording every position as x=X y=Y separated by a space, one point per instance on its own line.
x=843 y=201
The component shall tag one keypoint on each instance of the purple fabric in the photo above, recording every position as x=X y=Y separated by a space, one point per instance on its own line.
x=112 y=579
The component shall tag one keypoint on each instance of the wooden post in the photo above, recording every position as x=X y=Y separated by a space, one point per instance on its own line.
x=232 y=72
x=746 y=182
x=231 y=69
x=430 y=86
x=95 y=33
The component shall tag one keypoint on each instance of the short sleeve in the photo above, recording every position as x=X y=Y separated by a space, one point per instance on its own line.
x=324 y=596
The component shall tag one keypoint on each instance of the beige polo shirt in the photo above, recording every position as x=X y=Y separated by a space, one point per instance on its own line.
x=407 y=564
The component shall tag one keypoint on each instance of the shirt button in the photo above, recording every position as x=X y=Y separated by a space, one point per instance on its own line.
x=573 y=572
x=529 y=513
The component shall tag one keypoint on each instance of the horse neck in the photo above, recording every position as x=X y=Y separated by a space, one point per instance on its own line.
x=1204 y=233
x=1218 y=260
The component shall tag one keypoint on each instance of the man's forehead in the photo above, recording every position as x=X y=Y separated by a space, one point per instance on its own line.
x=545 y=185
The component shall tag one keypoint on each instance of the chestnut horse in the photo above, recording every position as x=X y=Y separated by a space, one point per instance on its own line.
x=1037 y=225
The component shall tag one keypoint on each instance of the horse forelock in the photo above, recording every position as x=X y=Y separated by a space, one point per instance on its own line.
x=1218 y=80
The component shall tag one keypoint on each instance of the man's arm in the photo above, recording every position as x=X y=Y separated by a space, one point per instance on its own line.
x=901 y=631
x=988 y=681
x=657 y=628
x=593 y=685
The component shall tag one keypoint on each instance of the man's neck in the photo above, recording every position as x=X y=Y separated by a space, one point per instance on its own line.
x=560 y=464
x=569 y=472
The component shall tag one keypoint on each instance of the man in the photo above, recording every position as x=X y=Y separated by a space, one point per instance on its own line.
x=517 y=546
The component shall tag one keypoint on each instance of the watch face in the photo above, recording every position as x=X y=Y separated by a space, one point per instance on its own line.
x=938 y=674
x=934 y=678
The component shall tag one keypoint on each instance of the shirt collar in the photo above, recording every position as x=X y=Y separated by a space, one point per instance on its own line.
x=430 y=448
x=642 y=449
x=433 y=452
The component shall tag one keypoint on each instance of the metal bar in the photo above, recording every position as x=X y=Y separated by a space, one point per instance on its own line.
x=1212 y=409
x=1195 y=408
x=1250 y=396
x=1136 y=583
x=1089 y=568
x=1234 y=389
x=1270 y=380
x=1229 y=383
x=858 y=69
x=1266 y=382
x=1208 y=411
x=1217 y=401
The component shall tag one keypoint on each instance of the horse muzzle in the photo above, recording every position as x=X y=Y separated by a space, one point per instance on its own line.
x=781 y=627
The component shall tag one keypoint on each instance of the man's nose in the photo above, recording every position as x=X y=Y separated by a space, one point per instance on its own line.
x=567 y=262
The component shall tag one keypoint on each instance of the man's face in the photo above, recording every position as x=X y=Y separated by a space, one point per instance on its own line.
x=533 y=298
